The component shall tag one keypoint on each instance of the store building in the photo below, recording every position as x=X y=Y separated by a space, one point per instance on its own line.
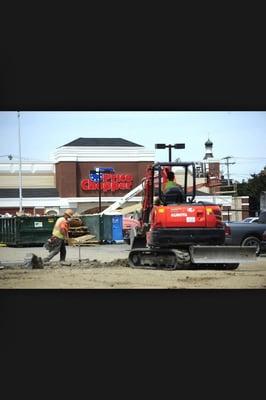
x=39 y=193
x=71 y=180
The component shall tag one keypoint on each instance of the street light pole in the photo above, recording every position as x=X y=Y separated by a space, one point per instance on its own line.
x=170 y=146
x=170 y=153
x=20 y=174
x=96 y=176
x=100 y=192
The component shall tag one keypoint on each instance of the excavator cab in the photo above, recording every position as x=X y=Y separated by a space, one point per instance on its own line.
x=182 y=193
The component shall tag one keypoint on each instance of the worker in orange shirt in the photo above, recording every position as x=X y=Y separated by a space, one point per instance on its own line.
x=56 y=244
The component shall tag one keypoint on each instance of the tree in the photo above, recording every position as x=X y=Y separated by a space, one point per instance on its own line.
x=253 y=188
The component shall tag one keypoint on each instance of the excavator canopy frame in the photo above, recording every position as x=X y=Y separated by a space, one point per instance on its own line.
x=160 y=166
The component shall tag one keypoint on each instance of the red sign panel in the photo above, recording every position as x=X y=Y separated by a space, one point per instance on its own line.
x=110 y=182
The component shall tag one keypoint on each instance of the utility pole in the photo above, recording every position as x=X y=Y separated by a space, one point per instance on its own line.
x=227 y=163
x=20 y=175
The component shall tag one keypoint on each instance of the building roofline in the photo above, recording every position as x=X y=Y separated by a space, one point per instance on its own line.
x=101 y=142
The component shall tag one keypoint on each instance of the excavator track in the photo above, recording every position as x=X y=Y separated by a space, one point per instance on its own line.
x=159 y=259
x=171 y=259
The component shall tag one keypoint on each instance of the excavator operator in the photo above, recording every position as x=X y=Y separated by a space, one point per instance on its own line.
x=170 y=181
x=173 y=192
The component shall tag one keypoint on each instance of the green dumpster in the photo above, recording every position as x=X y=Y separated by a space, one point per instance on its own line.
x=26 y=231
x=107 y=227
x=94 y=223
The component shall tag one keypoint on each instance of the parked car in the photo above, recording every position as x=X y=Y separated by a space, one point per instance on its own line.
x=263 y=243
x=246 y=234
x=250 y=220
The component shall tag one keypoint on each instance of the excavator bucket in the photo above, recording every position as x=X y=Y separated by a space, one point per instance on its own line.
x=222 y=254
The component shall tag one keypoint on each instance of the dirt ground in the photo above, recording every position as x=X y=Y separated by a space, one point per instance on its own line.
x=106 y=267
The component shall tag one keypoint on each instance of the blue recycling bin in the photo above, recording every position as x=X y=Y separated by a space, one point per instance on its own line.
x=117 y=227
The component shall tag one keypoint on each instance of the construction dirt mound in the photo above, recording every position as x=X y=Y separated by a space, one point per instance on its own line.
x=86 y=263
x=94 y=274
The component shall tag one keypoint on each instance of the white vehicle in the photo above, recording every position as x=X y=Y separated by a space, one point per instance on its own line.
x=250 y=220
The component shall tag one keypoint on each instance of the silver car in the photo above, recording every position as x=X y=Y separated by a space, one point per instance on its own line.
x=250 y=220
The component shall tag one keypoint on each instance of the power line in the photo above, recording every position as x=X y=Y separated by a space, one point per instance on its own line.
x=8 y=155
x=15 y=157
x=251 y=158
x=240 y=173
x=245 y=162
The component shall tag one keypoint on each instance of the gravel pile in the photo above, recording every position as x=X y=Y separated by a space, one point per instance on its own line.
x=87 y=263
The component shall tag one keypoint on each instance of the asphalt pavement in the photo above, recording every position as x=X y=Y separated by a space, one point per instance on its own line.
x=101 y=252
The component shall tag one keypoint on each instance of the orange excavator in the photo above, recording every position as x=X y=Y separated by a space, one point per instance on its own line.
x=176 y=232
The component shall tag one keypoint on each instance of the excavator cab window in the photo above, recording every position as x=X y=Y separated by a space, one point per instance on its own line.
x=178 y=194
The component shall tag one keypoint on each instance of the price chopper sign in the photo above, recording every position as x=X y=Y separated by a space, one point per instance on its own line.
x=109 y=180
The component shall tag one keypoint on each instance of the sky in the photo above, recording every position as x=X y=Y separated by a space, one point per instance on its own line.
x=240 y=135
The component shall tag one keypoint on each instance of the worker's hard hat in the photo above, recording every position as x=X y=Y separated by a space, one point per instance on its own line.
x=69 y=212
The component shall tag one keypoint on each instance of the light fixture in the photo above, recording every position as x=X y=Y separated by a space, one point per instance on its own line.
x=170 y=146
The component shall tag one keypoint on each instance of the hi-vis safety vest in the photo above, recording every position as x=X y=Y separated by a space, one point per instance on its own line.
x=169 y=185
x=61 y=223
